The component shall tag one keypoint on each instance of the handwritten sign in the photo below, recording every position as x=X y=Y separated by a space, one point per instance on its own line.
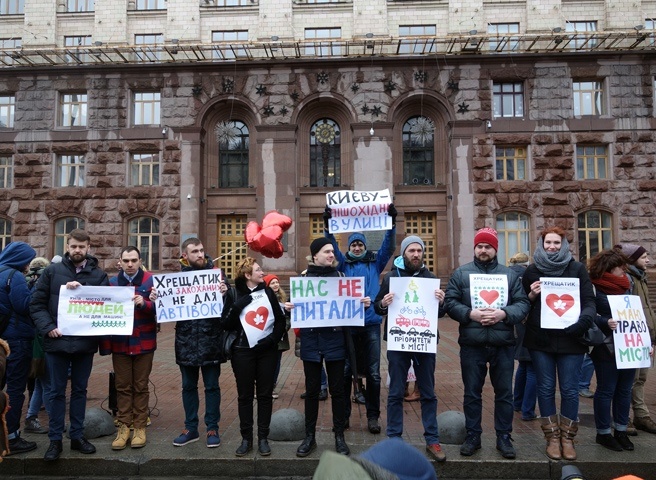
x=488 y=291
x=631 y=337
x=91 y=311
x=560 y=299
x=412 y=315
x=188 y=295
x=354 y=211
x=257 y=318
x=327 y=301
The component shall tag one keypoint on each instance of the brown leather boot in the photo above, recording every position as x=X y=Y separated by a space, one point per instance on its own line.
x=551 y=431
x=568 y=430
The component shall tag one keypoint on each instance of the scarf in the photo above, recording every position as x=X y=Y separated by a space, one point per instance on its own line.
x=552 y=264
x=612 y=284
x=352 y=256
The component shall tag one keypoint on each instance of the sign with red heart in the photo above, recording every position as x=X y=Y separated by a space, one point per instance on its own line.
x=265 y=238
x=257 y=318
x=560 y=304
x=489 y=296
x=560 y=301
x=488 y=291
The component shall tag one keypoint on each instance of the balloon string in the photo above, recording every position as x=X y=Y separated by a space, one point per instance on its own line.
x=229 y=253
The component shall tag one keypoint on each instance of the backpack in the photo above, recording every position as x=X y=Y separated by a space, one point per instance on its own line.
x=6 y=317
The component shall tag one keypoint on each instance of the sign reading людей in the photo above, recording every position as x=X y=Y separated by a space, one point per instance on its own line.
x=188 y=295
x=327 y=301
x=354 y=211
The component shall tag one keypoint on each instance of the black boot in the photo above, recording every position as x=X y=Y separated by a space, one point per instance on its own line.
x=341 y=446
x=308 y=445
x=263 y=447
x=54 y=451
x=245 y=447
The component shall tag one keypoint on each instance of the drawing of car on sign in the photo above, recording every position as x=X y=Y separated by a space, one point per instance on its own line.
x=403 y=321
x=412 y=331
x=427 y=333
x=396 y=331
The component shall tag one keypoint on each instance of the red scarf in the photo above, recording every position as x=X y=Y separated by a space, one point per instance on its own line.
x=612 y=284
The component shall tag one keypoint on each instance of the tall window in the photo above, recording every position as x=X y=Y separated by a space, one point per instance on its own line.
x=424 y=225
x=591 y=161
x=588 y=97
x=230 y=238
x=233 y=157
x=418 y=152
x=146 y=42
x=226 y=40
x=6 y=168
x=147 y=108
x=595 y=230
x=229 y=3
x=151 y=4
x=505 y=41
x=325 y=154
x=79 y=5
x=77 y=41
x=7 y=108
x=324 y=47
x=72 y=109
x=63 y=227
x=144 y=169
x=12 y=7
x=10 y=43
x=5 y=233
x=510 y=163
x=513 y=231
x=508 y=99
x=418 y=45
x=581 y=41
x=144 y=234
x=70 y=171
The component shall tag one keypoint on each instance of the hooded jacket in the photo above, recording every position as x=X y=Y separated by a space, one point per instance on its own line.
x=45 y=301
x=639 y=280
x=370 y=266
x=458 y=305
x=14 y=258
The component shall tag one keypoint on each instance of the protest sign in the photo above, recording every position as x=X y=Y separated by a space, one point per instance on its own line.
x=257 y=318
x=354 y=211
x=412 y=315
x=560 y=300
x=327 y=301
x=188 y=295
x=91 y=311
x=488 y=291
x=631 y=337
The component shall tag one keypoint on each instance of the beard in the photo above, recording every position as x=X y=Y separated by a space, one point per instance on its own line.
x=412 y=265
x=198 y=264
x=77 y=257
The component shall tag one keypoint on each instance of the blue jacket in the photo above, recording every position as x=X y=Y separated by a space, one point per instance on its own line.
x=15 y=258
x=370 y=267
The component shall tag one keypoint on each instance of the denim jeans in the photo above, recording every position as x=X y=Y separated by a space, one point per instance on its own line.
x=587 y=370
x=613 y=396
x=525 y=393
x=58 y=369
x=190 y=400
x=568 y=368
x=313 y=385
x=424 y=365
x=18 y=368
x=474 y=362
x=367 y=339
x=39 y=396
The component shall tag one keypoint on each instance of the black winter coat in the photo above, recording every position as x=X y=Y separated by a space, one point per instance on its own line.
x=45 y=301
x=553 y=340
x=197 y=341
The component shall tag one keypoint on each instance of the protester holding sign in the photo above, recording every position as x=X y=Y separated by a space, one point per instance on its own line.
x=612 y=400
x=361 y=262
x=557 y=351
x=487 y=300
x=254 y=312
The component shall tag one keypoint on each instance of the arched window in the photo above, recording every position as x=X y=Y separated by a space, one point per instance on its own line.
x=595 y=232
x=418 y=151
x=5 y=232
x=325 y=154
x=63 y=227
x=513 y=231
x=144 y=234
x=233 y=139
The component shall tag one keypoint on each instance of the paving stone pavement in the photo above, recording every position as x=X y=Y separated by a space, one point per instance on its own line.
x=163 y=460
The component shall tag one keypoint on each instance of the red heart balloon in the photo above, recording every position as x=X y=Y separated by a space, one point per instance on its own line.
x=275 y=218
x=266 y=238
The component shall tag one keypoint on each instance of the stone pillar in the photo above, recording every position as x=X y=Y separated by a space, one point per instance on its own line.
x=191 y=184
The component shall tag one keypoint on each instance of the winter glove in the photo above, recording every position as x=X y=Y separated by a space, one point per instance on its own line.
x=391 y=211
x=243 y=302
x=327 y=215
x=577 y=330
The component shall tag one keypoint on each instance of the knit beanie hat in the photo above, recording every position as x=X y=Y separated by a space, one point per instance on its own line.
x=487 y=235
x=519 y=258
x=411 y=239
x=357 y=237
x=405 y=461
x=634 y=252
x=269 y=278
x=317 y=244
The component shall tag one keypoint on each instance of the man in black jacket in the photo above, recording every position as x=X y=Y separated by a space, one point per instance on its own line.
x=76 y=269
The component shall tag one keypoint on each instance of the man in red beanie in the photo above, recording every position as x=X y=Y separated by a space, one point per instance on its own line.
x=486 y=337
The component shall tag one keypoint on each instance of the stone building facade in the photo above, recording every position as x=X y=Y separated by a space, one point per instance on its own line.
x=539 y=113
